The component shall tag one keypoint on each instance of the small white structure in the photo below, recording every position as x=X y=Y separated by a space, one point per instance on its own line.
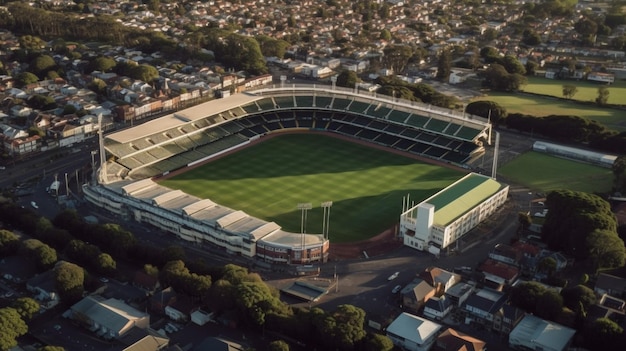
x=601 y=77
x=595 y=158
x=413 y=333
x=200 y=317
x=534 y=333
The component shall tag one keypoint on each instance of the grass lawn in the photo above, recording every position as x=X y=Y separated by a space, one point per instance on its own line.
x=544 y=106
x=587 y=91
x=542 y=172
x=268 y=180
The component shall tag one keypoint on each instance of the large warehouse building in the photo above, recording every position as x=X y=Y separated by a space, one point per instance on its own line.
x=443 y=218
x=131 y=158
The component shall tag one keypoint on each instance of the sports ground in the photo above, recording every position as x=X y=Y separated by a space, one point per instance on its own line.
x=542 y=172
x=269 y=179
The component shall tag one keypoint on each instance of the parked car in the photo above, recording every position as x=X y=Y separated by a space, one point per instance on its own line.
x=34 y=204
x=396 y=289
x=393 y=276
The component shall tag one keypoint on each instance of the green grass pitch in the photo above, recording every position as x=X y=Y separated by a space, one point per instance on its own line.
x=542 y=172
x=268 y=180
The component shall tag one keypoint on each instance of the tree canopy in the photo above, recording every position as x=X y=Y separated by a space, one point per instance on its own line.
x=12 y=326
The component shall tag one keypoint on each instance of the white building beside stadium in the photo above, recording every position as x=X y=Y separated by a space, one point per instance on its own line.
x=132 y=158
x=439 y=221
x=576 y=154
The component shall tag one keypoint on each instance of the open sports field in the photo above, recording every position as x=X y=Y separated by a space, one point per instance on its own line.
x=587 y=91
x=544 y=106
x=269 y=179
x=542 y=172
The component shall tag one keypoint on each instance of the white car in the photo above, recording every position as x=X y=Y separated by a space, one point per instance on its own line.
x=393 y=276
x=34 y=204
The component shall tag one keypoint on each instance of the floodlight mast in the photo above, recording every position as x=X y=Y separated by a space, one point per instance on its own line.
x=303 y=207
x=326 y=220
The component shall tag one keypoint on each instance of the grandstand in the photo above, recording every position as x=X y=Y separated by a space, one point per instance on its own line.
x=196 y=134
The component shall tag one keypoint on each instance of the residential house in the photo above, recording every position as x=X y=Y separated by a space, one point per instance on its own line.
x=218 y=344
x=437 y=307
x=440 y=279
x=162 y=299
x=498 y=274
x=110 y=318
x=416 y=293
x=458 y=76
x=506 y=318
x=506 y=254
x=534 y=333
x=482 y=306
x=180 y=310
x=608 y=307
x=141 y=339
x=452 y=340
x=459 y=293
x=22 y=146
x=43 y=287
x=412 y=333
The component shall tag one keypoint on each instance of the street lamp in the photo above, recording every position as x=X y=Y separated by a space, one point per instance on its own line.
x=303 y=207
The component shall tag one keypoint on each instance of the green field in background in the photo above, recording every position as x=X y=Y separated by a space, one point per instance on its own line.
x=268 y=180
x=542 y=172
x=587 y=91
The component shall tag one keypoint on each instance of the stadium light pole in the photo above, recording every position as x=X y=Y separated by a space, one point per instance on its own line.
x=326 y=205
x=303 y=207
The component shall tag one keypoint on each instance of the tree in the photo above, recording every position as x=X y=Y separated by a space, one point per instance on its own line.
x=512 y=65
x=619 y=174
x=524 y=220
x=547 y=265
x=497 y=78
x=106 y=264
x=278 y=345
x=385 y=34
x=43 y=255
x=487 y=109
x=9 y=243
x=604 y=334
x=603 y=96
x=41 y=65
x=42 y=102
x=569 y=91
x=25 y=78
x=377 y=342
x=26 y=307
x=606 y=249
x=578 y=298
x=349 y=328
x=549 y=304
x=51 y=348
x=12 y=326
x=526 y=295
x=69 y=280
x=145 y=73
x=347 y=79
x=444 y=65
x=103 y=64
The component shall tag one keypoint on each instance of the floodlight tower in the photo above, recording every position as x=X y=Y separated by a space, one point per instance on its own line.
x=303 y=207
x=326 y=220
x=496 y=150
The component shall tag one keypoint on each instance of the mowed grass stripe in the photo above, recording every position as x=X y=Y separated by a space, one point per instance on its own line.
x=268 y=180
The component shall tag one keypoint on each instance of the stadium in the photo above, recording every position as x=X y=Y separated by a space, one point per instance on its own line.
x=133 y=159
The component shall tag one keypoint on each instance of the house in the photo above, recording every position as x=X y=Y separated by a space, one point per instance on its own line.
x=440 y=279
x=482 y=305
x=43 y=286
x=416 y=293
x=459 y=293
x=141 y=339
x=497 y=273
x=611 y=285
x=218 y=344
x=458 y=77
x=506 y=254
x=162 y=299
x=110 y=318
x=180 y=310
x=608 y=307
x=437 y=307
x=534 y=333
x=410 y=332
x=452 y=340
x=506 y=318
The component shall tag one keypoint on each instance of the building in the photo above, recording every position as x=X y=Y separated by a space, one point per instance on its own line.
x=416 y=293
x=413 y=333
x=439 y=221
x=482 y=306
x=534 y=333
x=452 y=340
x=572 y=153
x=110 y=318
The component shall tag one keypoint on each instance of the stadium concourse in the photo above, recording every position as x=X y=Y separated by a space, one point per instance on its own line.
x=184 y=139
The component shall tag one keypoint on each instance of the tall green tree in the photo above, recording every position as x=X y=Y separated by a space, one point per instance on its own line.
x=69 y=279
x=9 y=243
x=347 y=79
x=12 y=327
x=569 y=90
x=603 y=96
x=578 y=298
x=26 y=307
x=487 y=109
x=606 y=249
x=377 y=342
x=604 y=334
x=278 y=345
x=444 y=65
x=619 y=174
